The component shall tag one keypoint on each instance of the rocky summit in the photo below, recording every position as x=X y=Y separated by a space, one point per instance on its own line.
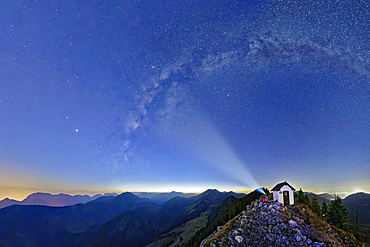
x=272 y=224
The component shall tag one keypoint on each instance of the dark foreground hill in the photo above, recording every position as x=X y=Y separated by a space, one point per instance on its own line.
x=359 y=205
x=362 y=200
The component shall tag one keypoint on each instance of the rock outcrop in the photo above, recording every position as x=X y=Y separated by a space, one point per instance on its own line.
x=272 y=224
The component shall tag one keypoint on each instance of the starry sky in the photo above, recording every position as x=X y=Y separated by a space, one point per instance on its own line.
x=184 y=95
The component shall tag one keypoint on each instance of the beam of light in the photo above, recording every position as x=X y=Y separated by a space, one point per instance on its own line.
x=260 y=190
x=207 y=144
x=191 y=128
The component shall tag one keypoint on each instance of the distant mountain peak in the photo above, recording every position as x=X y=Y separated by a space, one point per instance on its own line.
x=211 y=191
x=360 y=193
x=128 y=195
x=38 y=194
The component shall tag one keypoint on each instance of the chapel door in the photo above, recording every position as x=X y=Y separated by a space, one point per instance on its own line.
x=286 y=197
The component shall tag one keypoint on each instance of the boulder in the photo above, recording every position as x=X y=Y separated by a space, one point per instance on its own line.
x=292 y=223
x=239 y=239
x=271 y=222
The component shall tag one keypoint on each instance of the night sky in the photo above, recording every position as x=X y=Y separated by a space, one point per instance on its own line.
x=184 y=95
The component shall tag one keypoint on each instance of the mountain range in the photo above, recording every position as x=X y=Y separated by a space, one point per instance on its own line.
x=47 y=199
x=110 y=220
x=321 y=197
x=129 y=220
x=163 y=197
x=61 y=200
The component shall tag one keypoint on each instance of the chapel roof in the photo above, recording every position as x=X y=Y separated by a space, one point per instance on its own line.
x=280 y=185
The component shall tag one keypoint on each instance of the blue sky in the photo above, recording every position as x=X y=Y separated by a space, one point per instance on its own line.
x=180 y=95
